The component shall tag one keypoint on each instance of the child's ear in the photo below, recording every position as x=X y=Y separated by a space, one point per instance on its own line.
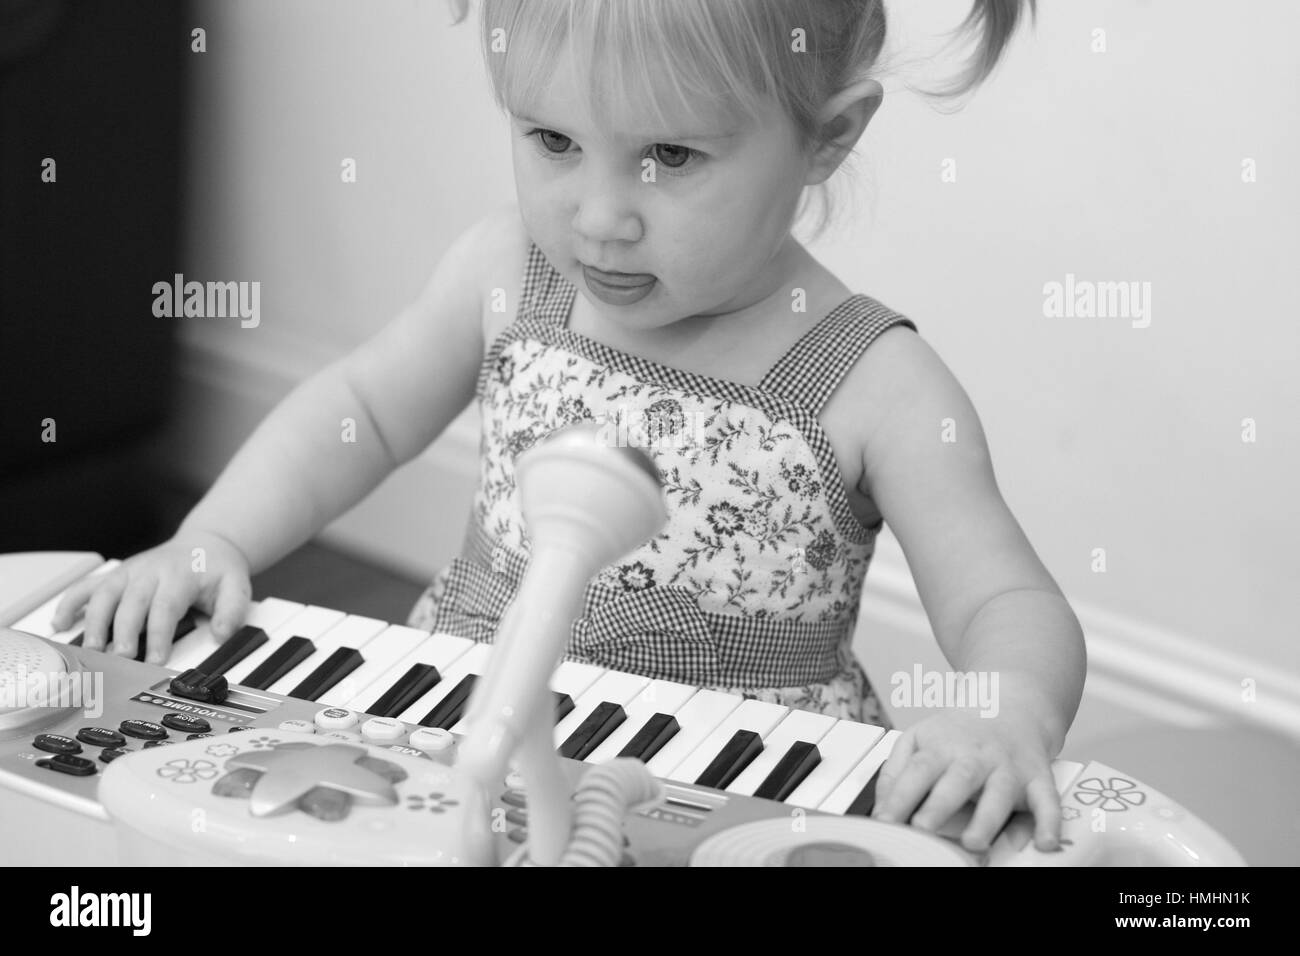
x=842 y=122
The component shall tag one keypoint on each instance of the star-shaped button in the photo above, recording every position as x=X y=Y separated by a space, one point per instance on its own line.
x=289 y=772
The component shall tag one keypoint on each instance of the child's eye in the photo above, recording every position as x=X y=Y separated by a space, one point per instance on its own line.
x=548 y=140
x=554 y=146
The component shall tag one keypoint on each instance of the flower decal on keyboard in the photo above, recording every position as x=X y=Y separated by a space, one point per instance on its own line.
x=434 y=802
x=187 y=771
x=1112 y=795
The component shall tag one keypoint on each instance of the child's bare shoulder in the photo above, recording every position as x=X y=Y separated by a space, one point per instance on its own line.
x=503 y=242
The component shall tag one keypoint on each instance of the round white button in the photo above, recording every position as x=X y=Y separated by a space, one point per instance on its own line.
x=335 y=718
x=515 y=780
x=433 y=740
x=301 y=726
x=383 y=730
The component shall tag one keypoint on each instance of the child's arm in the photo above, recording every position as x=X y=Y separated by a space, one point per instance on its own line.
x=298 y=471
x=993 y=606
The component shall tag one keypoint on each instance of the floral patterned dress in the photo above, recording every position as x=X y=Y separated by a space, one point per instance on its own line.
x=753 y=585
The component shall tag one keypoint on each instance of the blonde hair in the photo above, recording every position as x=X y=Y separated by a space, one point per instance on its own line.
x=700 y=58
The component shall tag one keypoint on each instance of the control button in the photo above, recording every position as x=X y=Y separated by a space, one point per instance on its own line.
x=186 y=724
x=197 y=736
x=238 y=730
x=517 y=835
x=434 y=741
x=109 y=754
x=193 y=684
x=336 y=718
x=515 y=780
x=514 y=798
x=344 y=735
x=383 y=730
x=142 y=729
x=56 y=744
x=101 y=737
x=299 y=726
x=517 y=816
x=158 y=743
x=66 y=763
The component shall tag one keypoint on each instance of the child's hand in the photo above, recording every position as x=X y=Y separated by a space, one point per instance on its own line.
x=161 y=584
x=954 y=755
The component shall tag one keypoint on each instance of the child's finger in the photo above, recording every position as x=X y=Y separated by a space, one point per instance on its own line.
x=72 y=600
x=168 y=606
x=99 y=611
x=230 y=605
x=1045 y=804
x=922 y=770
x=961 y=781
x=893 y=766
x=1001 y=791
x=128 y=622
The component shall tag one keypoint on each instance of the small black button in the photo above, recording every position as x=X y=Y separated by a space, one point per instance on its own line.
x=109 y=754
x=142 y=729
x=186 y=724
x=56 y=744
x=514 y=798
x=238 y=730
x=101 y=737
x=193 y=684
x=158 y=743
x=197 y=736
x=517 y=835
x=66 y=763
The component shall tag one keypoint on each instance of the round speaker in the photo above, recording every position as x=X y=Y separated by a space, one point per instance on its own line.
x=826 y=841
x=33 y=675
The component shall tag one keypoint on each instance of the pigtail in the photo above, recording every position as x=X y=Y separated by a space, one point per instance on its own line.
x=993 y=22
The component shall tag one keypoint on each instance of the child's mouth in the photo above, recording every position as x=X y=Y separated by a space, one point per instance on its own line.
x=618 y=288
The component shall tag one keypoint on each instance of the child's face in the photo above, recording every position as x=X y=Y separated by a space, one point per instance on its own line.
x=712 y=228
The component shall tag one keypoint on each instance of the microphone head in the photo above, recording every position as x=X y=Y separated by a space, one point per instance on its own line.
x=578 y=487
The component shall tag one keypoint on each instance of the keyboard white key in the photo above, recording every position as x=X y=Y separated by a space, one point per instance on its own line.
x=194 y=648
x=380 y=653
x=311 y=624
x=842 y=797
x=569 y=678
x=353 y=631
x=657 y=697
x=796 y=726
x=38 y=621
x=473 y=661
x=614 y=687
x=436 y=650
x=843 y=748
x=755 y=715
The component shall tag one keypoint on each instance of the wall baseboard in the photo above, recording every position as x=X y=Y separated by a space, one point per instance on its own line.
x=414 y=522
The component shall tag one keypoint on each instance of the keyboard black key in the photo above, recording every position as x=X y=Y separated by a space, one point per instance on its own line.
x=738 y=754
x=865 y=801
x=799 y=761
x=240 y=644
x=284 y=659
x=451 y=708
x=563 y=705
x=184 y=626
x=591 y=733
x=333 y=669
x=409 y=688
x=648 y=741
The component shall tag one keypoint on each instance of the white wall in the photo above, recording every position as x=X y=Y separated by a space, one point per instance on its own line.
x=1123 y=165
